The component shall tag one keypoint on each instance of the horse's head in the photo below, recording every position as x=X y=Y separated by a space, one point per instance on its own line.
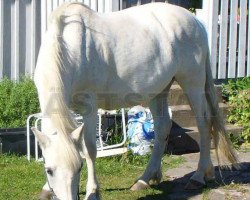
x=62 y=162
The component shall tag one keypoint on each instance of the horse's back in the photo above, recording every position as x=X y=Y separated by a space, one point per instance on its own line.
x=174 y=28
x=156 y=41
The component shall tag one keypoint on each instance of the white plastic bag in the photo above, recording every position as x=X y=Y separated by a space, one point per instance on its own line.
x=140 y=130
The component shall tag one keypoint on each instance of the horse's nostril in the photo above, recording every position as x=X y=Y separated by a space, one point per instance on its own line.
x=45 y=195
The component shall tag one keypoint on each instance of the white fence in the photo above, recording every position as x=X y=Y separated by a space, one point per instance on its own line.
x=47 y=6
x=23 y=22
x=227 y=23
x=22 y=25
x=18 y=37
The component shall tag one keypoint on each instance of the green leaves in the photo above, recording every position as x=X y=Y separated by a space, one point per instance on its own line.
x=17 y=101
x=238 y=95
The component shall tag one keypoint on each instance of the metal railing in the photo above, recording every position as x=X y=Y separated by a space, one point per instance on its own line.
x=102 y=150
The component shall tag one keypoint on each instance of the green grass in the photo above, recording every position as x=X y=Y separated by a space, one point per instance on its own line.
x=20 y=179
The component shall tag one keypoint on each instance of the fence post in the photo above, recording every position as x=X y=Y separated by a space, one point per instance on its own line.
x=232 y=39
x=15 y=41
x=223 y=40
x=210 y=12
x=101 y=6
x=242 y=39
x=114 y=5
x=33 y=37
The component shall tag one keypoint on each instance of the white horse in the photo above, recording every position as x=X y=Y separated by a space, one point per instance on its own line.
x=89 y=60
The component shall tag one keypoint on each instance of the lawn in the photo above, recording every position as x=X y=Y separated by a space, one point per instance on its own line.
x=20 y=179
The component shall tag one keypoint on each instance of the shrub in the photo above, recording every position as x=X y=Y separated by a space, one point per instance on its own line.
x=237 y=93
x=17 y=101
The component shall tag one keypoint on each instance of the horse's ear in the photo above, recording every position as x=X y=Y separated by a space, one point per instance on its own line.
x=76 y=135
x=42 y=138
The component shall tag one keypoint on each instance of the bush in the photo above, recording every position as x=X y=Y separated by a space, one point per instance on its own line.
x=17 y=101
x=237 y=93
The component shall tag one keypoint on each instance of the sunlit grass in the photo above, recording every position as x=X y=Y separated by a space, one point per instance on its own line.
x=20 y=179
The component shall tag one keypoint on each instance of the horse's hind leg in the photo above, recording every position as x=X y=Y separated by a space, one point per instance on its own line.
x=162 y=127
x=196 y=96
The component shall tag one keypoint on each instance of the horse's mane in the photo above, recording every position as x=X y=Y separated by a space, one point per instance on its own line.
x=54 y=73
x=58 y=110
x=58 y=64
x=53 y=77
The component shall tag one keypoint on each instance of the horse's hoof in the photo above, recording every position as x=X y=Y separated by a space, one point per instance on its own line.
x=139 y=185
x=45 y=195
x=194 y=185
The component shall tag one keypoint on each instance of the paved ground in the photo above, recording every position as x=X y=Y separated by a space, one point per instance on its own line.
x=232 y=185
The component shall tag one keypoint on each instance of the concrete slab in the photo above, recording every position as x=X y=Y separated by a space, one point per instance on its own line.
x=229 y=184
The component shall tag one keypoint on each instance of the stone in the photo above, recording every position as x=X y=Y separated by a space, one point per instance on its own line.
x=217 y=194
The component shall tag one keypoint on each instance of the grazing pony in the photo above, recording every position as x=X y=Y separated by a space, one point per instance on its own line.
x=90 y=60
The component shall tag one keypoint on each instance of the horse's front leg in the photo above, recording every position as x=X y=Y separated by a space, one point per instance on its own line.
x=89 y=150
x=162 y=126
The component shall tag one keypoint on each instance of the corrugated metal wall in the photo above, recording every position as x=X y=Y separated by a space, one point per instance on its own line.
x=19 y=37
x=22 y=25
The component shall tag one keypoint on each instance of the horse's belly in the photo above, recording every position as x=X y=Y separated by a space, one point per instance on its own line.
x=133 y=91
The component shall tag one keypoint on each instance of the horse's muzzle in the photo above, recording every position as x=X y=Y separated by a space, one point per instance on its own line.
x=47 y=195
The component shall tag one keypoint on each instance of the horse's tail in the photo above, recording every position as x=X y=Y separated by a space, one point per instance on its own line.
x=223 y=145
x=52 y=74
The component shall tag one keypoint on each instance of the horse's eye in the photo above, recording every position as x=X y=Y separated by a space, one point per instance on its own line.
x=49 y=171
